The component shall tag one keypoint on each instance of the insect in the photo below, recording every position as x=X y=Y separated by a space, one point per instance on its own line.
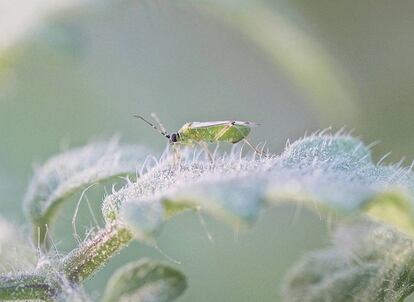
x=207 y=132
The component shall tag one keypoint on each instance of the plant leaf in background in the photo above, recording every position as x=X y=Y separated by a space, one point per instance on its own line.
x=394 y=208
x=18 y=21
x=369 y=262
x=73 y=171
x=145 y=281
x=291 y=48
x=17 y=18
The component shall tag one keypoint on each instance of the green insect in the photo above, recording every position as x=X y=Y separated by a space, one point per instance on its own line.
x=207 y=132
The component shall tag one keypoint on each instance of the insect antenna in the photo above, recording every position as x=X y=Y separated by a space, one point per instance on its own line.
x=164 y=133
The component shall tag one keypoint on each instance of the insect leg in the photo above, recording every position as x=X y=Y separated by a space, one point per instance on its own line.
x=251 y=146
x=207 y=151
x=177 y=154
x=248 y=142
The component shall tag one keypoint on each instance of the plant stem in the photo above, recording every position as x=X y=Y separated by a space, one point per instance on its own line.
x=82 y=262
x=27 y=287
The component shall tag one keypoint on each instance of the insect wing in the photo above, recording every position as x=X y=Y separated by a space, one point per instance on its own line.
x=249 y=124
x=198 y=125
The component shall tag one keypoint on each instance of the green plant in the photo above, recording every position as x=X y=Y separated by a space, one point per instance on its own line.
x=371 y=205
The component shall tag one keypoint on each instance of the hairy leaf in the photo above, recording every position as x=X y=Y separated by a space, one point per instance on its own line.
x=369 y=262
x=73 y=171
x=224 y=189
x=332 y=174
x=145 y=281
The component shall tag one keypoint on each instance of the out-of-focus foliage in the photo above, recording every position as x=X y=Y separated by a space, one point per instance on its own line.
x=291 y=48
x=74 y=171
x=145 y=281
x=369 y=262
x=19 y=18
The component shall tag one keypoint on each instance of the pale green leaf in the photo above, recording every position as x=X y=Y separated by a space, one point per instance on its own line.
x=293 y=49
x=369 y=262
x=145 y=281
x=73 y=171
x=330 y=174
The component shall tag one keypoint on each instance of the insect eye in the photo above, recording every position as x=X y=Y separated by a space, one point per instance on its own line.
x=174 y=138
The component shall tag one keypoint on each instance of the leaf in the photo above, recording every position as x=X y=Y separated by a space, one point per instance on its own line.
x=145 y=281
x=291 y=48
x=19 y=23
x=223 y=189
x=369 y=262
x=340 y=152
x=335 y=173
x=394 y=207
x=73 y=171
x=330 y=174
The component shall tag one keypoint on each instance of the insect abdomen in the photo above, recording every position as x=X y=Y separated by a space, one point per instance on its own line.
x=231 y=134
x=235 y=134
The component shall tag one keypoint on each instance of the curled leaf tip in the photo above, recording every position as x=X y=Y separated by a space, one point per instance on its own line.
x=73 y=171
x=146 y=281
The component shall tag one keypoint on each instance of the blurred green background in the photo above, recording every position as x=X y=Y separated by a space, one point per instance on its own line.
x=76 y=71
